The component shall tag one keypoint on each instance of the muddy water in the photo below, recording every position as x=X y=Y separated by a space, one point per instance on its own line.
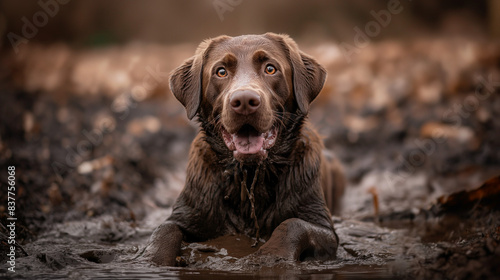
x=107 y=248
x=76 y=250
x=427 y=245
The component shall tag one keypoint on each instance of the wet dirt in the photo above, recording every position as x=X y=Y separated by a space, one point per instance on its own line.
x=94 y=179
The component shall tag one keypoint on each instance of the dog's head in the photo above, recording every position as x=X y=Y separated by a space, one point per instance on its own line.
x=245 y=85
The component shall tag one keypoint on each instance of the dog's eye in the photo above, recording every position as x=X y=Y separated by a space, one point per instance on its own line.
x=221 y=72
x=270 y=69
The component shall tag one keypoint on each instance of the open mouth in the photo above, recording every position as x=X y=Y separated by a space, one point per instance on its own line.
x=248 y=141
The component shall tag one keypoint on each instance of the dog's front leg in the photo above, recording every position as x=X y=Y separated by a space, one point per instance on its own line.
x=164 y=244
x=296 y=239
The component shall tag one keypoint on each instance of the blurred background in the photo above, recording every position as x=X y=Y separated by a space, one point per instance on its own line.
x=410 y=107
x=91 y=23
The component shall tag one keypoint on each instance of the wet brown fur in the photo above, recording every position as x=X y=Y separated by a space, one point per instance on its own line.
x=292 y=188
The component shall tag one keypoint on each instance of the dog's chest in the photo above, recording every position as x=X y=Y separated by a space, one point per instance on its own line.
x=250 y=197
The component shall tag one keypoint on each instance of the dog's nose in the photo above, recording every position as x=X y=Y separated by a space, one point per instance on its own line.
x=245 y=102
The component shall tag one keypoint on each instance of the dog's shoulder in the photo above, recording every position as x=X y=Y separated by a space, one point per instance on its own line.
x=201 y=152
x=201 y=169
x=309 y=145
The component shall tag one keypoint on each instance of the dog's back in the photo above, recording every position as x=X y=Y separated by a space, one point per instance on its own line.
x=332 y=181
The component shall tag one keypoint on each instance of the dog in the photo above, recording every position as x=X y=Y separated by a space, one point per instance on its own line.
x=257 y=167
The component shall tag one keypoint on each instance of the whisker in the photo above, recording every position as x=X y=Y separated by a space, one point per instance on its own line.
x=215 y=120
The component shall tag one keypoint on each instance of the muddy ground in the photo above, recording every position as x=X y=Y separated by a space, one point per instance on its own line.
x=100 y=149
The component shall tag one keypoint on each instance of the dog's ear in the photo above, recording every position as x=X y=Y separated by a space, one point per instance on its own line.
x=186 y=81
x=307 y=74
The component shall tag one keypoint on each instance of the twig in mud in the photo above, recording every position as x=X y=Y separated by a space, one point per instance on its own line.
x=373 y=192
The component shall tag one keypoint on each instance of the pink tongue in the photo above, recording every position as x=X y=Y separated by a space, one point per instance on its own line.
x=248 y=142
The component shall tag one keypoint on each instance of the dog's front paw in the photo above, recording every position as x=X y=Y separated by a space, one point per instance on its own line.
x=276 y=251
x=164 y=245
x=297 y=240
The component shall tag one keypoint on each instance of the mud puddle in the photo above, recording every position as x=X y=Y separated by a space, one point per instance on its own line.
x=432 y=243
x=84 y=250
x=76 y=251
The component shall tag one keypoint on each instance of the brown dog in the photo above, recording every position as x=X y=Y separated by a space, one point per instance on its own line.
x=257 y=167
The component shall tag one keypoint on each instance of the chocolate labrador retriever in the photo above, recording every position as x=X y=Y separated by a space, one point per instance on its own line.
x=257 y=167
